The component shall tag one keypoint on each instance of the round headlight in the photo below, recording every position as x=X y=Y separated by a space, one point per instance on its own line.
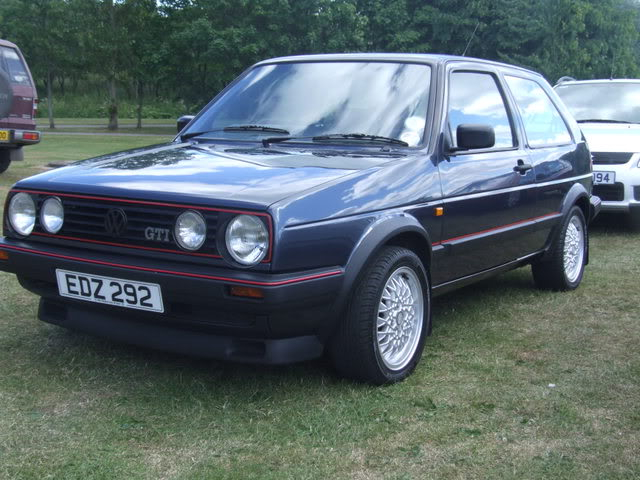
x=52 y=215
x=247 y=239
x=22 y=213
x=190 y=230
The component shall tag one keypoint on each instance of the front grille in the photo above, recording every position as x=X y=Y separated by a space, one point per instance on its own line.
x=636 y=193
x=610 y=193
x=610 y=158
x=85 y=220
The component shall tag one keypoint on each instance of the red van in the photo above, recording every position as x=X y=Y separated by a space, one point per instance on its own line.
x=18 y=103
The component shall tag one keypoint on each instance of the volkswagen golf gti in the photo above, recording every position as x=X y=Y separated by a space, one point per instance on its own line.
x=317 y=205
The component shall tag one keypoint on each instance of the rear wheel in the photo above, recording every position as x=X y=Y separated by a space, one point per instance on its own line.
x=382 y=336
x=565 y=267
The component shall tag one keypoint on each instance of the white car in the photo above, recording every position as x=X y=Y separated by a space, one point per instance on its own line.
x=608 y=112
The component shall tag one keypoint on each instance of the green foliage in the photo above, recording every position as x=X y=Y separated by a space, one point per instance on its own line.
x=92 y=106
x=188 y=50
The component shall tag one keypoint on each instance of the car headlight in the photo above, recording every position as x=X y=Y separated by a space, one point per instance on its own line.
x=190 y=230
x=22 y=213
x=52 y=215
x=247 y=239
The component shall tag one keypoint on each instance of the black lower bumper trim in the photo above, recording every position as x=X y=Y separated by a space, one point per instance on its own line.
x=196 y=343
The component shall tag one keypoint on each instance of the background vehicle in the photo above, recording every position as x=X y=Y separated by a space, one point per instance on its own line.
x=317 y=204
x=608 y=112
x=18 y=103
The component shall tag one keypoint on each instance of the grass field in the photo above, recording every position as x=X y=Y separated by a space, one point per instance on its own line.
x=514 y=383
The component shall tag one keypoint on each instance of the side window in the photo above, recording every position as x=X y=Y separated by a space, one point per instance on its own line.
x=543 y=124
x=474 y=97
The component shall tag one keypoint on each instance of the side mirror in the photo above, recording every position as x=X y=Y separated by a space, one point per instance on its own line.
x=470 y=136
x=183 y=121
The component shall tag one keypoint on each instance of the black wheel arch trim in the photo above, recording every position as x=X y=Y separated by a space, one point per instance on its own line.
x=576 y=196
x=401 y=227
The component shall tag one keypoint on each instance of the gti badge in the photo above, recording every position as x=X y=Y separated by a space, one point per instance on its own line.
x=157 y=234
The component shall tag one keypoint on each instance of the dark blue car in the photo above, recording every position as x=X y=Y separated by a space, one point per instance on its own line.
x=317 y=204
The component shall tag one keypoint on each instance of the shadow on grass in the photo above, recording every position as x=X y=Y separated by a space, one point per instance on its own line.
x=119 y=363
x=616 y=223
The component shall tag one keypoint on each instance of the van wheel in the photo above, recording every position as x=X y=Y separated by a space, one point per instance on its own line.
x=382 y=336
x=565 y=267
x=5 y=160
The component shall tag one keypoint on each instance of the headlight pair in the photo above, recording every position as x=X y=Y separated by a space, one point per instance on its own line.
x=246 y=237
x=22 y=214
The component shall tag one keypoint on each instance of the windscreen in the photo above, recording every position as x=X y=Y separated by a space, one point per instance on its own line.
x=324 y=98
x=610 y=101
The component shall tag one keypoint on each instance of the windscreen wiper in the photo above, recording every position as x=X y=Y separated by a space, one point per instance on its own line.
x=360 y=136
x=254 y=128
x=235 y=128
x=602 y=120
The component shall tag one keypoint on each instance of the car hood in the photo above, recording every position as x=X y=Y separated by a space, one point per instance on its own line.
x=612 y=137
x=248 y=177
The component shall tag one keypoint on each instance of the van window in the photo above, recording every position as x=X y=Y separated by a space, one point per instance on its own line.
x=13 y=65
x=543 y=124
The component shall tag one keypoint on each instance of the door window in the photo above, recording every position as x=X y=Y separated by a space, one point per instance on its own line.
x=474 y=97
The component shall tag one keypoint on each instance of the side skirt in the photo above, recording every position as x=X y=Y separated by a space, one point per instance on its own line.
x=476 y=277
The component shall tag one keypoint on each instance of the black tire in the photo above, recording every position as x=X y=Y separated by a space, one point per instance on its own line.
x=358 y=349
x=6 y=95
x=564 y=272
x=5 y=160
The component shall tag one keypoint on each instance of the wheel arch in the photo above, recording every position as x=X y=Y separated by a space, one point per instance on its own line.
x=402 y=230
x=576 y=196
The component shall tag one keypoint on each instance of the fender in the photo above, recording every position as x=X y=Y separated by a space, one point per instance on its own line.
x=577 y=195
x=381 y=232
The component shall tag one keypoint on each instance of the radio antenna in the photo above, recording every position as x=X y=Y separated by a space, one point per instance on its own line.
x=470 y=38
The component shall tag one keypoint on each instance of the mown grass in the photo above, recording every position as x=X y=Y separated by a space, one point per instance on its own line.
x=514 y=383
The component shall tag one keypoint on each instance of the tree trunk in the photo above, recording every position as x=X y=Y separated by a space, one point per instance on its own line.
x=113 y=105
x=113 y=100
x=140 y=92
x=50 y=98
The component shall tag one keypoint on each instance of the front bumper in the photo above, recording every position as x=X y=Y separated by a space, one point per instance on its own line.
x=623 y=195
x=201 y=316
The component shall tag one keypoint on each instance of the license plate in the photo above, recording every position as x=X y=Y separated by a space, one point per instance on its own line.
x=600 y=178
x=110 y=291
x=4 y=135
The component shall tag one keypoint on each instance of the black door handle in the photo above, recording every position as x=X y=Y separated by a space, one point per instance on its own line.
x=522 y=167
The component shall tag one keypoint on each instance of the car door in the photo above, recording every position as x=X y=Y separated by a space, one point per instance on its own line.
x=488 y=193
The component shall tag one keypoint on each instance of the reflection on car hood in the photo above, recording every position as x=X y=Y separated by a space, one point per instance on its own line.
x=186 y=172
x=614 y=137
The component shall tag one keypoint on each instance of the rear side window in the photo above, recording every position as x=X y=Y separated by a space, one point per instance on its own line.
x=543 y=124
x=474 y=97
x=13 y=65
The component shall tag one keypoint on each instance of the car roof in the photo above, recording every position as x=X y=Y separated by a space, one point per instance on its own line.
x=427 y=58
x=7 y=43
x=598 y=81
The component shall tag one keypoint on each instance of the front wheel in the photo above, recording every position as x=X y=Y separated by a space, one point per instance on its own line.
x=565 y=267
x=382 y=336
